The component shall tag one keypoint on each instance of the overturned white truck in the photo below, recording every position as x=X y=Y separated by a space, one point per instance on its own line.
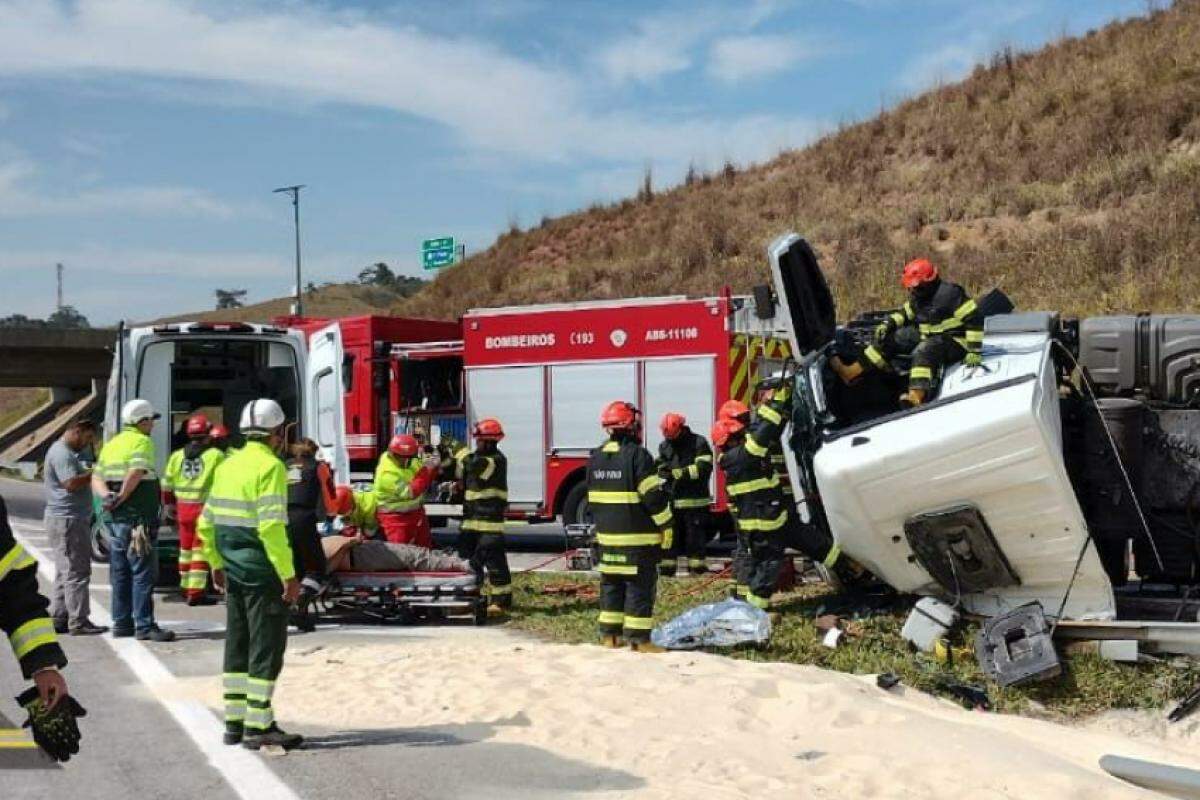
x=1007 y=488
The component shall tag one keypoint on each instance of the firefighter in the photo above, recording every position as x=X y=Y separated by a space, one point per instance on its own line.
x=220 y=437
x=186 y=481
x=23 y=618
x=311 y=497
x=685 y=461
x=485 y=481
x=765 y=522
x=632 y=514
x=401 y=480
x=243 y=531
x=938 y=326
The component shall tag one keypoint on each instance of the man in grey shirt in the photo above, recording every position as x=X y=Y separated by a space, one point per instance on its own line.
x=69 y=527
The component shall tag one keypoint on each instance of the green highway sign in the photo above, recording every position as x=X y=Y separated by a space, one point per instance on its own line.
x=437 y=253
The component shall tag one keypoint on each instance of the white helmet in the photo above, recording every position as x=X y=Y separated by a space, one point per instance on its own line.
x=261 y=416
x=136 y=411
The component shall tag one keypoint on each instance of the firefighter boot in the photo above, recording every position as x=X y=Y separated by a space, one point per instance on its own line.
x=849 y=373
x=912 y=398
x=233 y=733
x=646 y=647
x=495 y=611
x=611 y=641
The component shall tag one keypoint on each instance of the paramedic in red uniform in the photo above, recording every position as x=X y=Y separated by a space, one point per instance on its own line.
x=401 y=481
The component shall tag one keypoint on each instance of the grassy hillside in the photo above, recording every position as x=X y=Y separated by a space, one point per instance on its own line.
x=338 y=300
x=1069 y=176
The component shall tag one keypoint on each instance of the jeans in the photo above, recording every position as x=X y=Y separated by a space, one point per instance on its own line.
x=132 y=579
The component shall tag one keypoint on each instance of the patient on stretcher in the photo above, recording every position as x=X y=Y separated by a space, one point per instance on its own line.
x=345 y=554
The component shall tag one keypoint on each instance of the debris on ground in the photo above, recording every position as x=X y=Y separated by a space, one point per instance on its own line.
x=929 y=623
x=1017 y=647
x=724 y=624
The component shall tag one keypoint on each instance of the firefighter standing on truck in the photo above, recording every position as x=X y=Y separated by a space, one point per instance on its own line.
x=685 y=462
x=939 y=326
x=766 y=523
x=632 y=514
x=23 y=618
x=185 y=486
x=485 y=482
x=401 y=480
x=244 y=534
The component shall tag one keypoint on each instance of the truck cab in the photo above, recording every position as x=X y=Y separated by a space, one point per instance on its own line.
x=1053 y=473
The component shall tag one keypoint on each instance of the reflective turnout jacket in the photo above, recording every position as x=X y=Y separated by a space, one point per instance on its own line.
x=188 y=475
x=23 y=616
x=400 y=485
x=950 y=311
x=686 y=462
x=485 y=483
x=751 y=481
x=630 y=508
x=243 y=528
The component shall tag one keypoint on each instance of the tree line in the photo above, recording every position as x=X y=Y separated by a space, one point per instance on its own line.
x=378 y=276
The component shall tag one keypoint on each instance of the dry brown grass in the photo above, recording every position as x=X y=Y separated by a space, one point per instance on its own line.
x=1068 y=176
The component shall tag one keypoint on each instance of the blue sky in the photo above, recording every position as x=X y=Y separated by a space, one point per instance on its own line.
x=140 y=139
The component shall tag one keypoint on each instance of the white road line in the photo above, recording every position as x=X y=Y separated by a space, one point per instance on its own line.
x=245 y=773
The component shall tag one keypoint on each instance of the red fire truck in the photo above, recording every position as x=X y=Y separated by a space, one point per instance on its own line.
x=546 y=371
x=360 y=388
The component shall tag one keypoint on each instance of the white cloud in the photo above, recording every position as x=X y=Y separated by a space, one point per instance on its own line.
x=20 y=198
x=493 y=101
x=970 y=39
x=145 y=263
x=736 y=58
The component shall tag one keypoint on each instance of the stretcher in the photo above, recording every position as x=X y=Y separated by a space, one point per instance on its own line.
x=404 y=597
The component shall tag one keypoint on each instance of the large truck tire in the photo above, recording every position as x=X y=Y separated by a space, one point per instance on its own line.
x=576 y=509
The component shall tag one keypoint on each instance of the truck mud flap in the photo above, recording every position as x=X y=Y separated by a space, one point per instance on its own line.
x=1016 y=647
x=956 y=547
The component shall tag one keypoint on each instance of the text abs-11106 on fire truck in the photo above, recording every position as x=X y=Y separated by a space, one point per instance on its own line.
x=1065 y=470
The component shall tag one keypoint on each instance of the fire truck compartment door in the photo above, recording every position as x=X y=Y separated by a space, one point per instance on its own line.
x=809 y=314
x=324 y=412
x=515 y=396
x=578 y=393
x=682 y=385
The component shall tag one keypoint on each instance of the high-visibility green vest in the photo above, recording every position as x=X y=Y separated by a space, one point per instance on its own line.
x=191 y=478
x=393 y=479
x=243 y=528
x=131 y=449
x=363 y=515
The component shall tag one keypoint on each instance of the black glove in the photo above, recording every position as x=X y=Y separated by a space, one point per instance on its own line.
x=54 y=729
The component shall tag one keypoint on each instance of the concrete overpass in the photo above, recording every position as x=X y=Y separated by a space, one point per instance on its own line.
x=73 y=364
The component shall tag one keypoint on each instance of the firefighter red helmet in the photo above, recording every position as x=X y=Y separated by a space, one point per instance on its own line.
x=918 y=271
x=219 y=431
x=619 y=415
x=404 y=445
x=725 y=428
x=671 y=424
x=343 y=500
x=488 y=429
x=733 y=409
x=198 y=425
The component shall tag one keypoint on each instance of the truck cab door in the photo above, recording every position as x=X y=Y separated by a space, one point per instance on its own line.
x=324 y=411
x=809 y=313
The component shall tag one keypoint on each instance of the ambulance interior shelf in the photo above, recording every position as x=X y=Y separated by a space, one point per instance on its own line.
x=429 y=378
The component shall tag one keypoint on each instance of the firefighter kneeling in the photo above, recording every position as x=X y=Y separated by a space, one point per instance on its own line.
x=485 y=482
x=633 y=528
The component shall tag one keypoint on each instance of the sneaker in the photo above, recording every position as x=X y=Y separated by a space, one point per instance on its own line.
x=60 y=626
x=233 y=734
x=646 y=647
x=272 y=737
x=156 y=634
x=87 y=628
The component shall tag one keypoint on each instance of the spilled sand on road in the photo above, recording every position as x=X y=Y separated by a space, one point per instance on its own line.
x=692 y=725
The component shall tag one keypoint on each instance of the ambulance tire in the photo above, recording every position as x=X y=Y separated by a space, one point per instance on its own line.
x=576 y=509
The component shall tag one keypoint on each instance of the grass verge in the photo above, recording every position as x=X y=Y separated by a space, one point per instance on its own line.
x=1088 y=685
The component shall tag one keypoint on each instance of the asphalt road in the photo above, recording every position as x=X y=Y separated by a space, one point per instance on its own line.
x=142 y=740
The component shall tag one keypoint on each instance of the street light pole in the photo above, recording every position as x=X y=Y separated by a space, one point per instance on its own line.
x=295 y=193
